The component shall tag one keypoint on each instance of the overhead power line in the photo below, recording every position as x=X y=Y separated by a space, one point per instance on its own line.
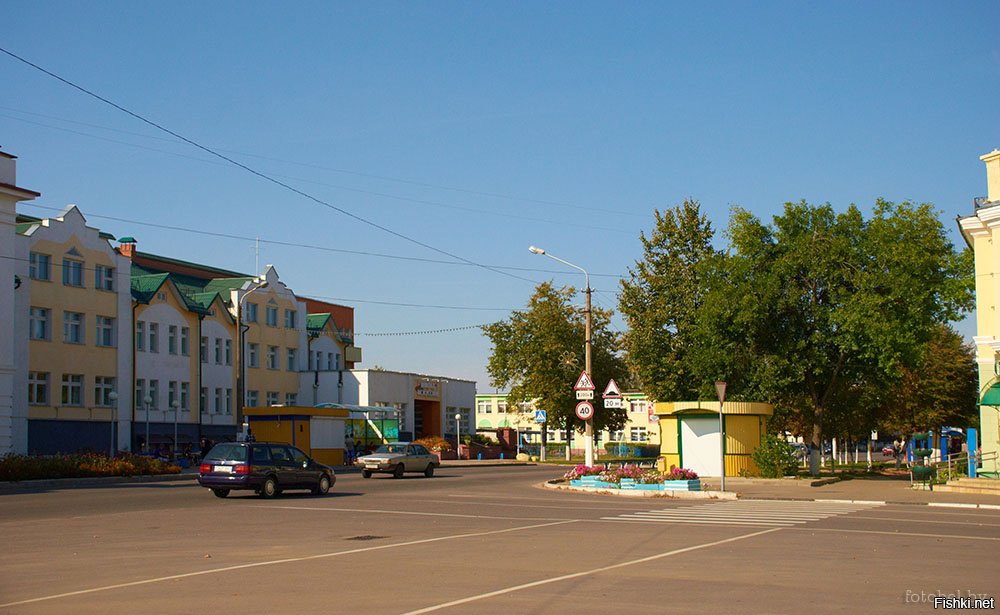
x=259 y=174
x=299 y=244
x=410 y=182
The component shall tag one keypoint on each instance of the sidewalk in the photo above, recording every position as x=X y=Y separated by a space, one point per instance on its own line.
x=877 y=489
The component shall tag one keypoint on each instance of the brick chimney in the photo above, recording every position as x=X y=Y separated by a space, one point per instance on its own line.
x=992 y=161
x=126 y=245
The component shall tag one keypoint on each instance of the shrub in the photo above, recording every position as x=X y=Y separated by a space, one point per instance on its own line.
x=25 y=467
x=435 y=443
x=775 y=457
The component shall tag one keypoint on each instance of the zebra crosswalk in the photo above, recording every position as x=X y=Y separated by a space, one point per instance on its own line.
x=753 y=513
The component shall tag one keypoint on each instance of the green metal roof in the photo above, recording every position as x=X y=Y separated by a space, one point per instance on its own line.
x=992 y=396
x=316 y=322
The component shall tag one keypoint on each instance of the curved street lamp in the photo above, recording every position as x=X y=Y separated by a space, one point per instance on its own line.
x=240 y=367
x=589 y=424
x=458 y=435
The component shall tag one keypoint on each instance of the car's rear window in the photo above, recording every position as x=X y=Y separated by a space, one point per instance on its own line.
x=227 y=452
x=391 y=448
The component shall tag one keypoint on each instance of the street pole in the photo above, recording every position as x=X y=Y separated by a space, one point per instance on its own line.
x=458 y=434
x=589 y=427
x=589 y=423
x=147 y=400
x=176 y=406
x=241 y=380
x=720 y=390
x=113 y=398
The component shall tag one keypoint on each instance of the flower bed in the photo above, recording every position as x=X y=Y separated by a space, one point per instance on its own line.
x=631 y=477
x=25 y=467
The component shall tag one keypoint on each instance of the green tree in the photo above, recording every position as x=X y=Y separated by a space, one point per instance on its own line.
x=661 y=298
x=941 y=390
x=538 y=354
x=807 y=310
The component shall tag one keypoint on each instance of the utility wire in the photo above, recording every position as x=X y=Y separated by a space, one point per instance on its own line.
x=258 y=173
x=499 y=214
x=297 y=244
x=344 y=171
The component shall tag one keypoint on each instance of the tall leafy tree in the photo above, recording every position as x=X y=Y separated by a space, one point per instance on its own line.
x=819 y=303
x=538 y=354
x=660 y=299
x=940 y=390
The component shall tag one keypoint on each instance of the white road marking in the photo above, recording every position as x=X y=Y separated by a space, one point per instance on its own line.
x=585 y=573
x=746 y=512
x=275 y=562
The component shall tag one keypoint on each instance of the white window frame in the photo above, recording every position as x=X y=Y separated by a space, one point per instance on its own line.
x=72 y=390
x=40 y=326
x=73 y=328
x=72 y=272
x=38 y=388
x=104 y=278
x=103 y=387
x=40 y=266
x=104 y=330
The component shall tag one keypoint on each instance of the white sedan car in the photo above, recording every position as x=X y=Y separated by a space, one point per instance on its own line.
x=397 y=458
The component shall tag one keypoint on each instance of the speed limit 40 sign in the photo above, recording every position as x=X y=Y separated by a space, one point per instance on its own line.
x=584 y=410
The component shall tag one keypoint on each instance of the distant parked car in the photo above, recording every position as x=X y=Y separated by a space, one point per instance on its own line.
x=888 y=451
x=398 y=457
x=267 y=468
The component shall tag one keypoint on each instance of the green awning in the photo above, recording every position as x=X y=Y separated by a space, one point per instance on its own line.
x=992 y=396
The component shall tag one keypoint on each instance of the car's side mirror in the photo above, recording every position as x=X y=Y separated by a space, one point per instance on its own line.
x=305 y=464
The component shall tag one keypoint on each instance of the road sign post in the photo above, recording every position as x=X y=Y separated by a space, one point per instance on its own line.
x=585 y=385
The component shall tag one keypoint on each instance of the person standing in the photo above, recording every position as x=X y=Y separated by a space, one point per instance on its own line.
x=349 y=449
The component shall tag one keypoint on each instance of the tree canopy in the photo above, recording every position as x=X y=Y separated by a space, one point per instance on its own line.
x=809 y=312
x=539 y=353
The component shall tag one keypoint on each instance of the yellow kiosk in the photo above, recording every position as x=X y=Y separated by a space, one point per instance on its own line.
x=689 y=435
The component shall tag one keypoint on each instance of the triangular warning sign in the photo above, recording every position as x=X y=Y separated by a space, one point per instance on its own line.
x=584 y=383
x=612 y=389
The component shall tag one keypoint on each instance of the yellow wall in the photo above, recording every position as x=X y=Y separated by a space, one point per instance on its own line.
x=743 y=434
x=981 y=230
x=281 y=380
x=56 y=357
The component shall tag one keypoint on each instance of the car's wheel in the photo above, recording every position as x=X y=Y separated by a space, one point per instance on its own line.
x=270 y=488
x=429 y=472
x=323 y=487
x=366 y=473
x=398 y=471
x=220 y=493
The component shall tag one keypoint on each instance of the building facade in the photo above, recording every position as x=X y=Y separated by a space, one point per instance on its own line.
x=641 y=427
x=982 y=232
x=113 y=349
x=424 y=405
x=13 y=343
x=77 y=302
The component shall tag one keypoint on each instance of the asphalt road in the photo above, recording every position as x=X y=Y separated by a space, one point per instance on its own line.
x=479 y=540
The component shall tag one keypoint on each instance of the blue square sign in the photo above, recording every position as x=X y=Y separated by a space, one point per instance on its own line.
x=539 y=416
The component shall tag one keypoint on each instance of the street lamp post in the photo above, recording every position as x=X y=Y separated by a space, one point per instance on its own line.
x=720 y=390
x=458 y=434
x=589 y=424
x=147 y=400
x=240 y=361
x=176 y=405
x=113 y=398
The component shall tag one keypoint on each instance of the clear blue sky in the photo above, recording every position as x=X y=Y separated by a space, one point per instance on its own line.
x=480 y=128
